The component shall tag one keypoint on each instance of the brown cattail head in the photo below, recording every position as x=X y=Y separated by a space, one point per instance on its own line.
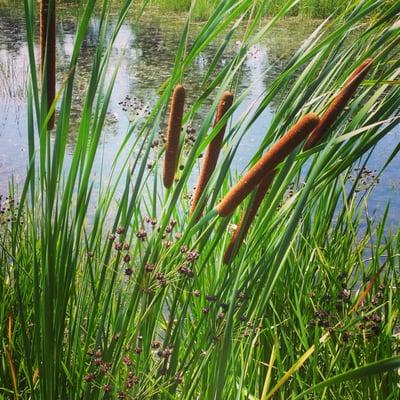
x=247 y=219
x=48 y=52
x=213 y=149
x=365 y=64
x=268 y=162
x=173 y=135
x=338 y=104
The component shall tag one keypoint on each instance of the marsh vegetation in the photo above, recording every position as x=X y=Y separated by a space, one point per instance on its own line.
x=274 y=283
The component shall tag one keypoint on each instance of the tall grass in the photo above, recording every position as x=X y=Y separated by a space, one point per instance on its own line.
x=306 y=8
x=143 y=307
x=318 y=9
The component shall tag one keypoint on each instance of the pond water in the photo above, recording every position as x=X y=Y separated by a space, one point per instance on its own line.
x=146 y=50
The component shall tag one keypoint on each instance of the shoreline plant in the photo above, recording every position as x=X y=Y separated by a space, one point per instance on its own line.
x=125 y=294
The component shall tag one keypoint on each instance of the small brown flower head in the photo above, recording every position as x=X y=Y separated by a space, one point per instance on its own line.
x=118 y=246
x=132 y=379
x=120 y=230
x=184 y=270
x=105 y=367
x=141 y=235
x=90 y=378
x=160 y=276
x=107 y=388
x=268 y=162
x=161 y=353
x=127 y=258
x=97 y=361
x=173 y=135
x=345 y=294
x=213 y=150
x=127 y=361
x=338 y=104
x=192 y=256
x=128 y=271
x=111 y=238
x=155 y=344
x=149 y=267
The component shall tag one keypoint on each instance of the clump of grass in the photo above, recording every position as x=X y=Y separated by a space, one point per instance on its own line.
x=173 y=135
x=213 y=149
x=268 y=162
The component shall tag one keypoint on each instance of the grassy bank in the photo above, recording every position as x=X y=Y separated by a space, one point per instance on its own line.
x=306 y=8
x=144 y=306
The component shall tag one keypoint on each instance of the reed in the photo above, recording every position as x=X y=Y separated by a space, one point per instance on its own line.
x=213 y=150
x=268 y=162
x=338 y=104
x=47 y=22
x=247 y=218
x=173 y=135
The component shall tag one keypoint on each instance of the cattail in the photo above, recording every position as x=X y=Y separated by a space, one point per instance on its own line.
x=365 y=64
x=244 y=225
x=173 y=135
x=213 y=149
x=48 y=52
x=268 y=162
x=338 y=104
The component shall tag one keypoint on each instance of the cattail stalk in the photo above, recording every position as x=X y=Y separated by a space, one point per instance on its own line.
x=48 y=52
x=213 y=150
x=338 y=104
x=268 y=162
x=173 y=135
x=247 y=218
